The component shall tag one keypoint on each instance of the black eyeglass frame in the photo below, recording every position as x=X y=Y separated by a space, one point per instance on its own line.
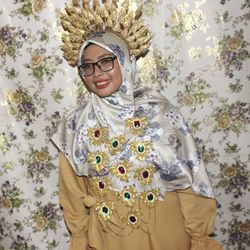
x=97 y=64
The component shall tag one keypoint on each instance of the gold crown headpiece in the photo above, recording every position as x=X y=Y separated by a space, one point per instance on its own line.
x=82 y=19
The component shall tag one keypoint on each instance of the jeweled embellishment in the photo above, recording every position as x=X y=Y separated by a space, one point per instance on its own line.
x=98 y=136
x=141 y=149
x=145 y=175
x=137 y=124
x=98 y=160
x=127 y=196
x=121 y=170
x=105 y=210
x=100 y=185
x=150 y=197
x=115 y=144
x=133 y=219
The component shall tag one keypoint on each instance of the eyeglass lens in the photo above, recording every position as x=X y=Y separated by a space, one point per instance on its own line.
x=104 y=64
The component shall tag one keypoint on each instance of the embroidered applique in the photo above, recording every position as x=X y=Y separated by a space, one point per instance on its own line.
x=150 y=197
x=115 y=144
x=105 y=210
x=137 y=124
x=121 y=170
x=100 y=185
x=127 y=196
x=133 y=219
x=98 y=136
x=126 y=171
x=97 y=160
x=141 y=149
x=145 y=175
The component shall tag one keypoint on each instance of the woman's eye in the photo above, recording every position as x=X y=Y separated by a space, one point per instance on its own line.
x=86 y=66
x=106 y=60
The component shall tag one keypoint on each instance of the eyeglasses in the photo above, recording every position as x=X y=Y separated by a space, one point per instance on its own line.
x=105 y=64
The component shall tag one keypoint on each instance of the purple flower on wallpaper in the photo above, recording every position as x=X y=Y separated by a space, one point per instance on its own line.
x=160 y=73
x=235 y=111
x=48 y=212
x=34 y=167
x=225 y=56
x=6 y=34
x=26 y=107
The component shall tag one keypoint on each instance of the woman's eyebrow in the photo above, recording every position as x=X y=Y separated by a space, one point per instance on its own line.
x=98 y=58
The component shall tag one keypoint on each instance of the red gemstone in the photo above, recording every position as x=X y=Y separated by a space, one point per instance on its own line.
x=97 y=133
x=121 y=170
x=145 y=174
x=132 y=219
x=101 y=185
x=137 y=124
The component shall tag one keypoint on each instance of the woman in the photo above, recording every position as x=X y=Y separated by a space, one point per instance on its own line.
x=130 y=175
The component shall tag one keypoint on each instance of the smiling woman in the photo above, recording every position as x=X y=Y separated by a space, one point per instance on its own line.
x=101 y=71
x=124 y=184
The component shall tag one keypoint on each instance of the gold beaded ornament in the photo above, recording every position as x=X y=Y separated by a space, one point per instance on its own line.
x=97 y=160
x=82 y=19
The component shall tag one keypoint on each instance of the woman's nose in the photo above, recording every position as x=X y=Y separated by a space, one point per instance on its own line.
x=97 y=70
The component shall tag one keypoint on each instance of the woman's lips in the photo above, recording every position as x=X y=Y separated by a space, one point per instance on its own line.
x=102 y=84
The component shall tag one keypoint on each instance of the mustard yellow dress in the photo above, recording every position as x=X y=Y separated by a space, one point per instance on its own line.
x=182 y=221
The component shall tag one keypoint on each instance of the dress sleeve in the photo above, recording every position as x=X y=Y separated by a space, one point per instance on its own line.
x=199 y=214
x=72 y=191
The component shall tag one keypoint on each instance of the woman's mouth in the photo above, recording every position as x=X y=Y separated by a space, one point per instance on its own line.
x=102 y=84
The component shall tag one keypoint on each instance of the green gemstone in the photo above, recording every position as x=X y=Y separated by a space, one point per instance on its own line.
x=115 y=144
x=98 y=159
x=127 y=195
x=141 y=148
x=105 y=210
x=150 y=197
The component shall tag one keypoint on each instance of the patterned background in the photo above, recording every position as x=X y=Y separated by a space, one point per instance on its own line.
x=199 y=58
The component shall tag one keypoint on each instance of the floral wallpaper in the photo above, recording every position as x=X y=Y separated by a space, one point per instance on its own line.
x=199 y=58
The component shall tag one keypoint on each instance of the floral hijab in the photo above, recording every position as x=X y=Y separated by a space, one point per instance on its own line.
x=164 y=152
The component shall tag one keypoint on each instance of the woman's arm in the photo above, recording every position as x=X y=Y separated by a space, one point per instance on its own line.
x=199 y=213
x=72 y=192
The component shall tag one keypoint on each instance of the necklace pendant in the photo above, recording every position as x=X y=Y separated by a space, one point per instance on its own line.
x=97 y=136
x=97 y=160
x=105 y=210
x=133 y=219
x=150 y=197
x=145 y=175
x=100 y=185
x=141 y=149
x=121 y=170
x=115 y=144
x=127 y=196
x=137 y=124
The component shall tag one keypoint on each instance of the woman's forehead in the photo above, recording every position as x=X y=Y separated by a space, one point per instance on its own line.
x=94 y=51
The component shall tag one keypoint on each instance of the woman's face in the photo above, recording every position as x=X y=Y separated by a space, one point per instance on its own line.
x=101 y=83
